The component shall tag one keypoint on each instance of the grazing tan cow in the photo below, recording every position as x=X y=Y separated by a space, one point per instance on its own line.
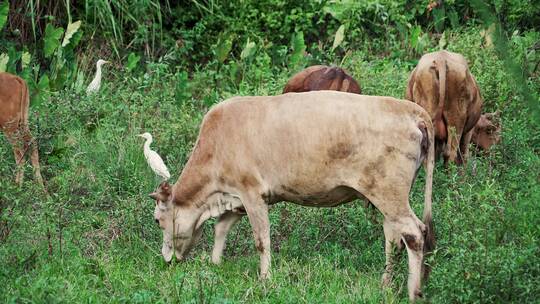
x=443 y=85
x=14 y=103
x=487 y=131
x=321 y=77
x=317 y=149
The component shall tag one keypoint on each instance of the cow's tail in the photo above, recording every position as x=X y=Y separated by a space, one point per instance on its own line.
x=429 y=163
x=440 y=65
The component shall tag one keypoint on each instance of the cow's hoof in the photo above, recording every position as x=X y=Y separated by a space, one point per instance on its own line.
x=264 y=276
x=216 y=260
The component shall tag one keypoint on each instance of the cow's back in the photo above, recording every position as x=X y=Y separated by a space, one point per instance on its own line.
x=426 y=88
x=321 y=77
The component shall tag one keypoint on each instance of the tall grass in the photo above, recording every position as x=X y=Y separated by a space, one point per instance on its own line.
x=123 y=24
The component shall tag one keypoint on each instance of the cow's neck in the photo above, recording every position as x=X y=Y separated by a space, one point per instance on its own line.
x=200 y=192
x=217 y=204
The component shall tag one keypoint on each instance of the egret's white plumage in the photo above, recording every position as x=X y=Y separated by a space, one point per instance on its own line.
x=154 y=160
x=94 y=86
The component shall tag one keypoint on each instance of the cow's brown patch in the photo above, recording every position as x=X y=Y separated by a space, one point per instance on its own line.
x=389 y=149
x=412 y=243
x=248 y=181
x=259 y=245
x=341 y=150
x=411 y=156
x=371 y=184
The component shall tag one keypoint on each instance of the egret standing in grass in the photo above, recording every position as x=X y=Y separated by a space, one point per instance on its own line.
x=94 y=86
x=154 y=160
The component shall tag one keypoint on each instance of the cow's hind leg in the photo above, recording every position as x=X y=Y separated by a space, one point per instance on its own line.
x=18 y=154
x=413 y=238
x=222 y=228
x=407 y=229
x=464 y=147
x=30 y=143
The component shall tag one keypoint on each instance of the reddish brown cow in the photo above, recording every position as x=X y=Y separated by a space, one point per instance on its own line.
x=14 y=103
x=442 y=84
x=321 y=77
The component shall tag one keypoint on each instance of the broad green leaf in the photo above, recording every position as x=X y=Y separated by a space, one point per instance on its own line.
x=298 y=48
x=51 y=40
x=249 y=50
x=14 y=57
x=415 y=34
x=224 y=46
x=79 y=82
x=133 y=60
x=25 y=59
x=42 y=89
x=233 y=71
x=74 y=41
x=43 y=84
x=439 y=17
x=4 y=59
x=71 y=29
x=338 y=39
x=4 y=11
x=442 y=41
x=340 y=9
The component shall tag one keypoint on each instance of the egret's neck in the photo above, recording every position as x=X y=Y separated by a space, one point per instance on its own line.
x=98 y=72
x=147 y=144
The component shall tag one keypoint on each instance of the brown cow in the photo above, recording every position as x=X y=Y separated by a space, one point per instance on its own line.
x=14 y=103
x=321 y=77
x=317 y=149
x=443 y=85
x=487 y=131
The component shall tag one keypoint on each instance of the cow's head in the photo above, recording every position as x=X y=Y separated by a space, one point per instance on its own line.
x=487 y=131
x=179 y=223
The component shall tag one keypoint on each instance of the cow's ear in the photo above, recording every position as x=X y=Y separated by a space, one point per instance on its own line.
x=163 y=192
x=165 y=188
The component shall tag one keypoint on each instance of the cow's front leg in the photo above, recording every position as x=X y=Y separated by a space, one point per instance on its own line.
x=392 y=241
x=257 y=212
x=222 y=228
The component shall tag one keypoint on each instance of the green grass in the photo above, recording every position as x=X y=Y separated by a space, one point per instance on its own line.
x=94 y=238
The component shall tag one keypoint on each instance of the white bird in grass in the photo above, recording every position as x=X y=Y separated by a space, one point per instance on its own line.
x=94 y=86
x=154 y=160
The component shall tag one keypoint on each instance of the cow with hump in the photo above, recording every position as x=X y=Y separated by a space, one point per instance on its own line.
x=318 y=149
x=443 y=85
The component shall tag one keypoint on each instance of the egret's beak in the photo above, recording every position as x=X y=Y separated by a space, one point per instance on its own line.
x=107 y=61
x=140 y=135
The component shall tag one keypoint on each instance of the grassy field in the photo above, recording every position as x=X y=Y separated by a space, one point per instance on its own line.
x=93 y=239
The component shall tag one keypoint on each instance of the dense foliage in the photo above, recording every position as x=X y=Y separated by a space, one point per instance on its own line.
x=93 y=238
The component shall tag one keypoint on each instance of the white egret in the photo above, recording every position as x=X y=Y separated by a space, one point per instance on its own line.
x=154 y=160
x=94 y=86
